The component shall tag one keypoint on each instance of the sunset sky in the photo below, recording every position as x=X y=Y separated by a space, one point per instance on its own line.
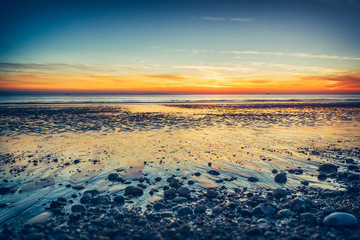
x=197 y=46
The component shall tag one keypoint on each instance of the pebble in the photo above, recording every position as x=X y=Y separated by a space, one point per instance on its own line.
x=253 y=179
x=211 y=193
x=280 y=178
x=184 y=211
x=285 y=213
x=213 y=172
x=4 y=190
x=200 y=209
x=279 y=192
x=134 y=191
x=340 y=219
x=308 y=218
x=170 y=192
x=119 y=199
x=264 y=209
x=80 y=208
x=158 y=206
x=328 y=167
x=183 y=191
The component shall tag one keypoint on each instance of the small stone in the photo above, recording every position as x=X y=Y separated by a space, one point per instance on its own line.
x=280 y=178
x=213 y=172
x=253 y=179
x=85 y=199
x=278 y=193
x=3 y=205
x=170 y=192
x=274 y=171
x=191 y=182
x=200 y=209
x=285 y=213
x=157 y=179
x=133 y=191
x=158 y=206
x=305 y=183
x=114 y=177
x=119 y=199
x=322 y=177
x=211 y=193
x=340 y=219
x=184 y=211
x=4 y=190
x=183 y=191
x=327 y=167
x=308 y=218
x=80 y=208
x=197 y=174
x=264 y=209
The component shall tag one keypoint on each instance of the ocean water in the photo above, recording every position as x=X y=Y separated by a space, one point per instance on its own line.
x=79 y=99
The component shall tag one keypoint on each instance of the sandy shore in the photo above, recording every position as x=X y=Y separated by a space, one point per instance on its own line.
x=219 y=161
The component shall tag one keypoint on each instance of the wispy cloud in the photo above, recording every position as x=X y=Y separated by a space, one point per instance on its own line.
x=303 y=55
x=233 y=19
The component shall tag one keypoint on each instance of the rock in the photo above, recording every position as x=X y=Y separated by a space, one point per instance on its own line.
x=80 y=208
x=285 y=213
x=133 y=191
x=308 y=218
x=322 y=177
x=191 y=182
x=158 y=206
x=211 y=193
x=278 y=193
x=183 y=191
x=213 y=172
x=91 y=192
x=119 y=199
x=197 y=174
x=280 y=178
x=170 y=192
x=85 y=199
x=300 y=204
x=305 y=183
x=153 y=235
x=200 y=209
x=4 y=190
x=340 y=219
x=79 y=186
x=114 y=177
x=56 y=204
x=264 y=209
x=3 y=205
x=327 y=167
x=157 y=179
x=253 y=179
x=184 y=211
x=75 y=216
x=353 y=177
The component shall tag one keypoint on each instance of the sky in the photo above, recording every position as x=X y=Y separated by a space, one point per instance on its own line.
x=180 y=47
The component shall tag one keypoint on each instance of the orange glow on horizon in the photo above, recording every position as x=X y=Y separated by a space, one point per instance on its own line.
x=169 y=84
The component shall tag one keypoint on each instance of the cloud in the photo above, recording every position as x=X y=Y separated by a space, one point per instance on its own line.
x=226 y=19
x=167 y=76
x=302 y=55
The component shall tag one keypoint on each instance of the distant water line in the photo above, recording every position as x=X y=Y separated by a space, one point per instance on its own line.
x=88 y=99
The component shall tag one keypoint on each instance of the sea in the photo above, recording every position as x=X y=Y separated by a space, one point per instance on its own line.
x=88 y=99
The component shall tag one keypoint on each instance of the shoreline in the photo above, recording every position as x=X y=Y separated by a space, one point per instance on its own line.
x=219 y=162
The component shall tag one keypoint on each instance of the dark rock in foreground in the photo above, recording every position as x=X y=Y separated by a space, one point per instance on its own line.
x=133 y=191
x=280 y=178
x=340 y=219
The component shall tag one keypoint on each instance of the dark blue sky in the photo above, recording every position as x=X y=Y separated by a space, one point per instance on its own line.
x=160 y=37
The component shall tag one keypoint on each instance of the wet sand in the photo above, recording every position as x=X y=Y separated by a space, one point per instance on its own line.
x=60 y=151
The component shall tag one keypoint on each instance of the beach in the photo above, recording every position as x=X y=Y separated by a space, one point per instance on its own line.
x=211 y=170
